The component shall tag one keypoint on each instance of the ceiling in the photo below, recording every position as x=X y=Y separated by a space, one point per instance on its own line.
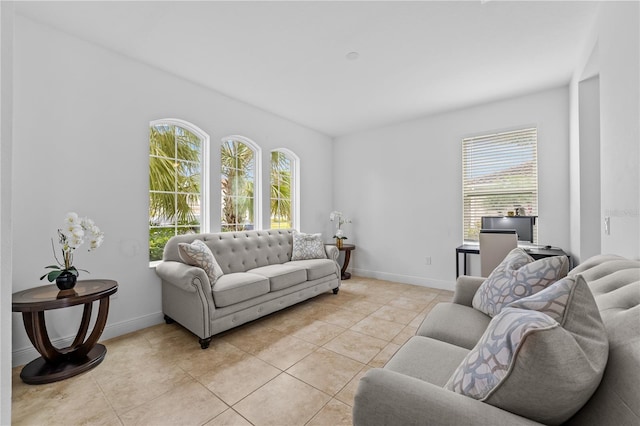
x=290 y=58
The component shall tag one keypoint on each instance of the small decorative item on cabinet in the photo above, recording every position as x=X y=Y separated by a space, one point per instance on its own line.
x=71 y=236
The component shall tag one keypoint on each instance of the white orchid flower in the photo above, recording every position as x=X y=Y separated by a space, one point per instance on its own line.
x=71 y=218
x=71 y=236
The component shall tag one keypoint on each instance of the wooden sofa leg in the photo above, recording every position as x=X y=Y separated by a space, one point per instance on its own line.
x=335 y=290
x=204 y=343
x=168 y=320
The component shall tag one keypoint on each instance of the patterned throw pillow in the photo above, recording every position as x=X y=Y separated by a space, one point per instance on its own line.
x=541 y=357
x=489 y=361
x=570 y=303
x=307 y=246
x=517 y=276
x=198 y=254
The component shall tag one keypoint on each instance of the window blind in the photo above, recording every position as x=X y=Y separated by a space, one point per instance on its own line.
x=499 y=175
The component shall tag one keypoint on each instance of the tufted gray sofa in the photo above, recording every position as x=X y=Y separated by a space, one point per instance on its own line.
x=259 y=278
x=409 y=389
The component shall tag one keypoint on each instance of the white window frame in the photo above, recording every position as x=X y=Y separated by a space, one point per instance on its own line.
x=204 y=169
x=295 y=187
x=525 y=132
x=257 y=183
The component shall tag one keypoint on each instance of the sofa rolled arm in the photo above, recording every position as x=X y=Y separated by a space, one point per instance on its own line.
x=332 y=252
x=466 y=287
x=183 y=276
x=385 y=397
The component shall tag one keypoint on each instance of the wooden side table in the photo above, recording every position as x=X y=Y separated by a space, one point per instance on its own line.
x=347 y=249
x=59 y=364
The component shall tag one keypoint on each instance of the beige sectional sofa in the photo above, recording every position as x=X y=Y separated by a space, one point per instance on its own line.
x=258 y=278
x=412 y=388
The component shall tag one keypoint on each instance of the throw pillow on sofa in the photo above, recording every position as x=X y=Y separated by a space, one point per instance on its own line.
x=569 y=302
x=199 y=254
x=307 y=246
x=541 y=357
x=517 y=276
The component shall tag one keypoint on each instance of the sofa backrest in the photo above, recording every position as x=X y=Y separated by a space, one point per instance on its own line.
x=239 y=251
x=615 y=284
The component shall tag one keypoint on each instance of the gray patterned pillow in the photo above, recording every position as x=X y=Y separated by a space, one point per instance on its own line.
x=199 y=254
x=488 y=363
x=307 y=246
x=543 y=364
x=571 y=303
x=517 y=276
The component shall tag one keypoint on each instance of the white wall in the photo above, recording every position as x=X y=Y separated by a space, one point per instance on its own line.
x=619 y=53
x=586 y=68
x=402 y=185
x=589 y=157
x=6 y=138
x=81 y=144
x=612 y=51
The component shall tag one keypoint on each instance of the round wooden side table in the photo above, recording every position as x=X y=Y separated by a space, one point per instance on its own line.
x=58 y=364
x=347 y=249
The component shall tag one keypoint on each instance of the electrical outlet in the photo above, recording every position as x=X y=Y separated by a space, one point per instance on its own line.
x=427 y=260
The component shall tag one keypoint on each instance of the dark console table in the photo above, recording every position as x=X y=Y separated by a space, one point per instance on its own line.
x=59 y=364
x=535 y=252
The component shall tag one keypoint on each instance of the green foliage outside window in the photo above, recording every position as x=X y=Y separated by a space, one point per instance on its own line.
x=237 y=161
x=280 y=191
x=174 y=185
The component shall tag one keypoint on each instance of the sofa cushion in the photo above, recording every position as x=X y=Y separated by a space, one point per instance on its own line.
x=427 y=359
x=316 y=268
x=518 y=276
x=307 y=246
x=238 y=287
x=281 y=276
x=198 y=254
x=543 y=364
x=456 y=324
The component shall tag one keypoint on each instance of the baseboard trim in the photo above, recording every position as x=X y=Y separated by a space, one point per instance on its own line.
x=406 y=279
x=26 y=355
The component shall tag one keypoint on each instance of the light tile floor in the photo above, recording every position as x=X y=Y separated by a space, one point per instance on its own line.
x=299 y=366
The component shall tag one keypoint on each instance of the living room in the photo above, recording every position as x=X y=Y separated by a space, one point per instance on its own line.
x=77 y=117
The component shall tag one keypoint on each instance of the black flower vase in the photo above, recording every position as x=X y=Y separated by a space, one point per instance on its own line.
x=66 y=280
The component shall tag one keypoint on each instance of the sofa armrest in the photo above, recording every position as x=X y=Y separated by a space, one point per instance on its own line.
x=466 y=287
x=183 y=276
x=385 y=397
x=332 y=252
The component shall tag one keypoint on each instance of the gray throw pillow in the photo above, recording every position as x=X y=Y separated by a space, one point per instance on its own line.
x=307 y=246
x=517 y=276
x=199 y=254
x=543 y=364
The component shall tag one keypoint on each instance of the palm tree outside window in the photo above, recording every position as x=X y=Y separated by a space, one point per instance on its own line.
x=239 y=184
x=283 y=189
x=178 y=170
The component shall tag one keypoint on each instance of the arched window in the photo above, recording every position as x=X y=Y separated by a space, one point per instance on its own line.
x=178 y=182
x=240 y=160
x=284 y=205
